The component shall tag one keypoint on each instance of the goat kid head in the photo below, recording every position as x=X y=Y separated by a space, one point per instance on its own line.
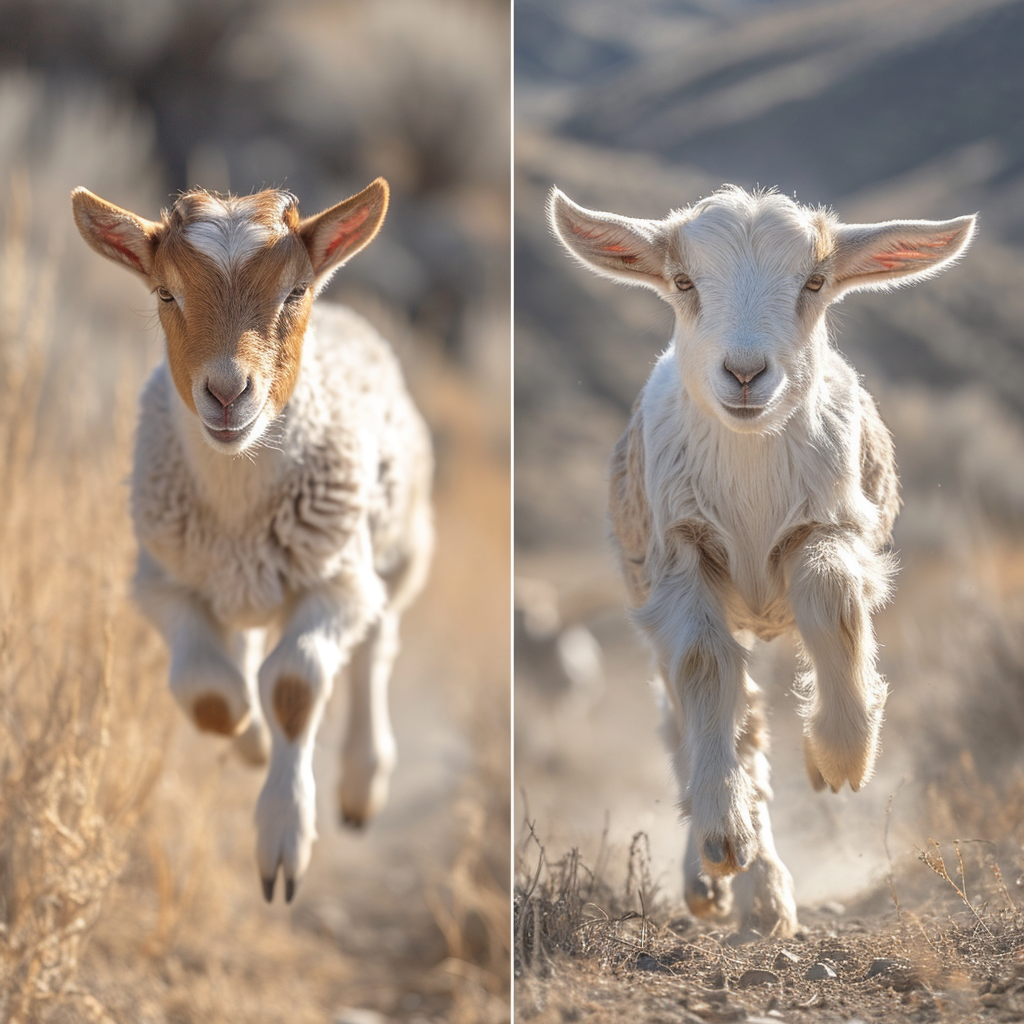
x=235 y=277
x=749 y=277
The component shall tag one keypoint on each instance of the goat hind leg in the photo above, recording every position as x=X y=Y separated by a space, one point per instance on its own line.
x=368 y=751
x=764 y=893
x=253 y=743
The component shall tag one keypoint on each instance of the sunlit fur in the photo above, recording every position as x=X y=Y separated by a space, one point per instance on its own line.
x=732 y=526
x=280 y=491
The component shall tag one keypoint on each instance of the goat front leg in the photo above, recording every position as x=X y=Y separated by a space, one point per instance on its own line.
x=704 y=671
x=207 y=678
x=368 y=752
x=706 y=895
x=295 y=683
x=834 y=581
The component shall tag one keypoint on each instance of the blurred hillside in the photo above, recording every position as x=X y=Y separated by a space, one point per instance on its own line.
x=881 y=111
x=319 y=96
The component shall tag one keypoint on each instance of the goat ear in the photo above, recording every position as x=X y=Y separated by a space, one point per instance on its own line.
x=881 y=256
x=337 y=234
x=622 y=248
x=115 y=233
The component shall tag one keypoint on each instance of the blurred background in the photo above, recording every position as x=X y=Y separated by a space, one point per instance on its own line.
x=128 y=888
x=882 y=111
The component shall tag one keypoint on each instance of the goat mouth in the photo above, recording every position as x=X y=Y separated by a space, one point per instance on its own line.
x=745 y=412
x=228 y=435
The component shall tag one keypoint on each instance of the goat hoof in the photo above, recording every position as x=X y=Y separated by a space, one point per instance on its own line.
x=268 y=888
x=289 y=890
x=713 y=850
x=725 y=855
x=708 y=897
x=352 y=820
x=818 y=782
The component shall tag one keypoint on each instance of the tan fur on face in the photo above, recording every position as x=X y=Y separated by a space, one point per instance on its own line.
x=230 y=265
x=234 y=311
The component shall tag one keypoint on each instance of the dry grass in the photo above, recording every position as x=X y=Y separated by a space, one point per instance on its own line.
x=127 y=885
x=590 y=950
x=69 y=796
x=940 y=938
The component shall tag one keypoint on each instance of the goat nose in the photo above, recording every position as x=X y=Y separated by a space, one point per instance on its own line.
x=227 y=392
x=745 y=372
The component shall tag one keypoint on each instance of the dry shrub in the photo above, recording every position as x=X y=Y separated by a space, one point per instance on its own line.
x=69 y=796
x=565 y=908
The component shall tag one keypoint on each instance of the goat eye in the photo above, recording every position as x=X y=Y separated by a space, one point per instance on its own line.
x=165 y=295
x=814 y=282
x=682 y=283
x=298 y=292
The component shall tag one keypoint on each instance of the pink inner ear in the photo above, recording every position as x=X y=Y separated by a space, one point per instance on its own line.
x=627 y=257
x=904 y=253
x=112 y=237
x=345 y=231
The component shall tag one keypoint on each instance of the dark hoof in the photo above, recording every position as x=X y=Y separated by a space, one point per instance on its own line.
x=714 y=850
x=268 y=888
x=289 y=889
x=352 y=820
x=722 y=857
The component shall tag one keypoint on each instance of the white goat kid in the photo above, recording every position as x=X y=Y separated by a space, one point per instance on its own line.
x=280 y=490
x=754 y=493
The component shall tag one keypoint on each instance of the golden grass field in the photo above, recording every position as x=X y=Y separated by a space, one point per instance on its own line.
x=128 y=888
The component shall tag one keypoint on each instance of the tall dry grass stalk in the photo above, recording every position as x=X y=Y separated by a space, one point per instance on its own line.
x=69 y=795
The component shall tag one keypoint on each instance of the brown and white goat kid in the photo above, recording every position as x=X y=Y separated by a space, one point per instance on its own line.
x=280 y=490
x=754 y=493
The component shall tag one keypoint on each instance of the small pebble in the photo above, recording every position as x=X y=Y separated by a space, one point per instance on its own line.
x=748 y=979
x=880 y=965
x=833 y=907
x=818 y=971
x=784 y=959
x=646 y=962
x=837 y=955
